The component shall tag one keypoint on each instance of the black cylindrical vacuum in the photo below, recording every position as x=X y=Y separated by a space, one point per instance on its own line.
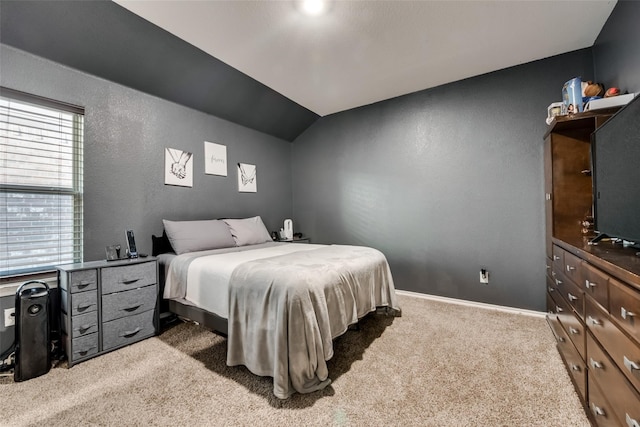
x=33 y=340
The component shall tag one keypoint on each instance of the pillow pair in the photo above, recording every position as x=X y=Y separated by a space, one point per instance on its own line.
x=192 y=236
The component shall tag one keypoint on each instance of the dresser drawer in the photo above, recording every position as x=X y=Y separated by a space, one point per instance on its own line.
x=122 y=278
x=596 y=285
x=602 y=412
x=83 y=280
x=574 y=363
x=83 y=347
x=574 y=296
x=128 y=330
x=79 y=303
x=558 y=258
x=624 y=303
x=624 y=352
x=128 y=303
x=576 y=332
x=623 y=399
x=83 y=324
x=573 y=267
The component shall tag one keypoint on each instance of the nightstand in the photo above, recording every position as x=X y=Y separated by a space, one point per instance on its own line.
x=106 y=305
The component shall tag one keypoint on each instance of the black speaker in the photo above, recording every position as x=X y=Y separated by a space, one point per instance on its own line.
x=33 y=340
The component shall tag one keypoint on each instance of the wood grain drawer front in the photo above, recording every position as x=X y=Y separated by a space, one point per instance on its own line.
x=549 y=267
x=85 y=346
x=574 y=363
x=575 y=297
x=576 y=332
x=122 y=304
x=602 y=412
x=573 y=267
x=623 y=399
x=84 y=324
x=551 y=288
x=79 y=303
x=558 y=258
x=83 y=280
x=622 y=350
x=128 y=330
x=624 y=304
x=596 y=285
x=122 y=278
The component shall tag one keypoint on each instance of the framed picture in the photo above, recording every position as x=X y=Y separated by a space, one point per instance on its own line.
x=247 y=179
x=215 y=159
x=178 y=167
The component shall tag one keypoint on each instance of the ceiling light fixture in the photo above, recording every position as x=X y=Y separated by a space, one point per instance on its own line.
x=313 y=7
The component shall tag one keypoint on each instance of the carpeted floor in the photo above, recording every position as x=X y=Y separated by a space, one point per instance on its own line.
x=438 y=365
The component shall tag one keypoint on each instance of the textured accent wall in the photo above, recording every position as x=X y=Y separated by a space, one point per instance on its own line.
x=616 y=51
x=126 y=132
x=445 y=181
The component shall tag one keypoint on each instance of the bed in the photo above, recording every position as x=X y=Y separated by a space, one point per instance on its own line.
x=280 y=304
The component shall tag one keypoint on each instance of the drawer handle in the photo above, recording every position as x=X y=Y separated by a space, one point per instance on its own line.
x=575 y=368
x=630 y=421
x=553 y=273
x=558 y=282
x=84 y=307
x=594 y=364
x=559 y=309
x=597 y=410
x=631 y=365
x=594 y=322
x=556 y=258
x=625 y=313
x=548 y=267
x=129 y=334
x=572 y=297
x=570 y=268
x=551 y=289
x=588 y=284
x=85 y=328
x=130 y=281
x=560 y=339
x=574 y=331
x=85 y=351
x=133 y=307
x=84 y=284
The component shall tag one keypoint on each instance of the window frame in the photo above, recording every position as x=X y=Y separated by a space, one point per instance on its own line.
x=76 y=191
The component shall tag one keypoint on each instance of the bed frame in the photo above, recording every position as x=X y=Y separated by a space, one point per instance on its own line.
x=208 y=320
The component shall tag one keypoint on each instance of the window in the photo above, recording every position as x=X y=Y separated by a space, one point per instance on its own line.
x=40 y=183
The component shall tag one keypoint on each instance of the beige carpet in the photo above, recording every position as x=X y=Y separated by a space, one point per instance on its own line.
x=438 y=365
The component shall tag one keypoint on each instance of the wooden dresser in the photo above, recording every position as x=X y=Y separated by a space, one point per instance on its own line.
x=107 y=305
x=593 y=291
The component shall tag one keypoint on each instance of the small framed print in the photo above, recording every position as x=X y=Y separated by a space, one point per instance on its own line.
x=215 y=159
x=178 y=167
x=247 y=179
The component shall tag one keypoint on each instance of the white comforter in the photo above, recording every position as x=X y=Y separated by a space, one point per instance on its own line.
x=285 y=309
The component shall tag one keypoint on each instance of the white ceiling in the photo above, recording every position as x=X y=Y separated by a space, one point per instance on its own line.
x=361 y=52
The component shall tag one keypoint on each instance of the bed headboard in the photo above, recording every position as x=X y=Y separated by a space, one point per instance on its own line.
x=160 y=245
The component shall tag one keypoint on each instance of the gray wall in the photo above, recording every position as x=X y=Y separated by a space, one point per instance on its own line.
x=617 y=49
x=445 y=181
x=126 y=132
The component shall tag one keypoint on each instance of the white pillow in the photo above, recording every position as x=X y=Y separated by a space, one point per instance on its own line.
x=248 y=231
x=192 y=236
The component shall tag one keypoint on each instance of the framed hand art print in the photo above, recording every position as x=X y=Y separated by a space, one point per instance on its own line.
x=178 y=167
x=247 y=179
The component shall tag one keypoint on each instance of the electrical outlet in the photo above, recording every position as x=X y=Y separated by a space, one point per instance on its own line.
x=484 y=276
x=9 y=317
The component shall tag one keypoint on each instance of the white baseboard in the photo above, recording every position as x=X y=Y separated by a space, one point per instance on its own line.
x=512 y=310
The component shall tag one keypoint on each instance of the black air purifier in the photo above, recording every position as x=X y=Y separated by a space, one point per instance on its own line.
x=33 y=341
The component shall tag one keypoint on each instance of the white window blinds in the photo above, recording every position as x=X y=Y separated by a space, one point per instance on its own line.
x=40 y=183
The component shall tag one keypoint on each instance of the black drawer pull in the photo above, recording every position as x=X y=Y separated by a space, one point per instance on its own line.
x=85 y=328
x=133 y=307
x=84 y=307
x=129 y=334
x=85 y=351
x=84 y=284
x=130 y=281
